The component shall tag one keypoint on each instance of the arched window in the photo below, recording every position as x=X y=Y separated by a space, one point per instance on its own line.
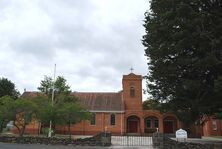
x=132 y=92
x=156 y=123
x=112 y=119
x=93 y=119
x=214 y=124
x=151 y=122
x=148 y=123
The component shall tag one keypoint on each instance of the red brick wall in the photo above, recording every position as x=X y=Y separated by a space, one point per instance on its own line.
x=132 y=107
x=135 y=81
x=102 y=124
x=208 y=128
x=32 y=128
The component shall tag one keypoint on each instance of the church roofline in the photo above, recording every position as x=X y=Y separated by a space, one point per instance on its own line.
x=89 y=92
x=132 y=75
x=105 y=111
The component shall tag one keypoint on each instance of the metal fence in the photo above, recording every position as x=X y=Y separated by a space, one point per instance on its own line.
x=132 y=140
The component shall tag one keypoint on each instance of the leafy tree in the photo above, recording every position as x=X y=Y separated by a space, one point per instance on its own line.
x=60 y=99
x=61 y=93
x=60 y=86
x=66 y=111
x=65 y=108
x=151 y=104
x=46 y=112
x=183 y=43
x=46 y=85
x=25 y=112
x=8 y=88
x=6 y=108
x=72 y=113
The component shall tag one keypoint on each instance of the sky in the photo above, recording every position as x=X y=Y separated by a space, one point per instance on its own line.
x=92 y=42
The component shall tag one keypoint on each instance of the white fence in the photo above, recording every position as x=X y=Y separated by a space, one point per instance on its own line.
x=132 y=140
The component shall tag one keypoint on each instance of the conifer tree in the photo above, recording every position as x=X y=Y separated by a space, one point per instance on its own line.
x=183 y=44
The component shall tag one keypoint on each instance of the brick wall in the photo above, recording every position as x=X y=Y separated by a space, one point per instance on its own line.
x=132 y=102
x=102 y=124
x=208 y=129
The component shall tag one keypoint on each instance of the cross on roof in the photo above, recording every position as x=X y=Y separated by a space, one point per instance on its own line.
x=131 y=69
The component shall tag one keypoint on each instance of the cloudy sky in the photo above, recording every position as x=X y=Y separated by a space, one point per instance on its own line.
x=92 y=42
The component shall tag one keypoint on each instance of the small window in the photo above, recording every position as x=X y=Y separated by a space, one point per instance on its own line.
x=148 y=123
x=112 y=119
x=132 y=92
x=93 y=119
x=156 y=123
x=214 y=125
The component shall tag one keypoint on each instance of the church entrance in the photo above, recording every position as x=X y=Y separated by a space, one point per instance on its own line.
x=133 y=123
x=169 y=124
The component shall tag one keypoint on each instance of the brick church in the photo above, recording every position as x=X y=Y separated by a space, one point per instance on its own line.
x=117 y=112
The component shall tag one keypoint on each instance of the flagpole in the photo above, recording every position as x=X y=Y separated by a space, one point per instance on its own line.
x=53 y=94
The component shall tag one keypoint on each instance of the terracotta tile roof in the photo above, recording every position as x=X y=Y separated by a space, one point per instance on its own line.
x=100 y=101
x=30 y=94
x=93 y=101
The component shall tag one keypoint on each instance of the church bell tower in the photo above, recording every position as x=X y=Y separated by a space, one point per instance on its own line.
x=132 y=92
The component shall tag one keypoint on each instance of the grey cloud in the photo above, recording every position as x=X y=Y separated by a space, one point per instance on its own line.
x=52 y=5
x=71 y=22
x=38 y=47
x=87 y=50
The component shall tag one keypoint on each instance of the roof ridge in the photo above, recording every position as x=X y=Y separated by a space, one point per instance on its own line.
x=97 y=92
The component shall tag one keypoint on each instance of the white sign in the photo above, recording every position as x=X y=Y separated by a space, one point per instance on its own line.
x=181 y=134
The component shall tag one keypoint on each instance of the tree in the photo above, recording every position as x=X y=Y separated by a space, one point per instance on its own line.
x=24 y=111
x=6 y=111
x=65 y=108
x=8 y=88
x=72 y=113
x=60 y=86
x=61 y=93
x=66 y=111
x=46 y=85
x=151 y=104
x=46 y=112
x=183 y=43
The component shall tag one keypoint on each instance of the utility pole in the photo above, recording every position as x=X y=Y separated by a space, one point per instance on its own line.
x=53 y=94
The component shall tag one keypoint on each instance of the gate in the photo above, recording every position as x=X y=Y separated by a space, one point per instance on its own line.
x=132 y=140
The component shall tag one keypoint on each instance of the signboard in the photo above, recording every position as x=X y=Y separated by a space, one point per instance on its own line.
x=181 y=134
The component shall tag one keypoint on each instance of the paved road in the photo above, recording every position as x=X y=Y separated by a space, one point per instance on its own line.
x=39 y=146
x=202 y=141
